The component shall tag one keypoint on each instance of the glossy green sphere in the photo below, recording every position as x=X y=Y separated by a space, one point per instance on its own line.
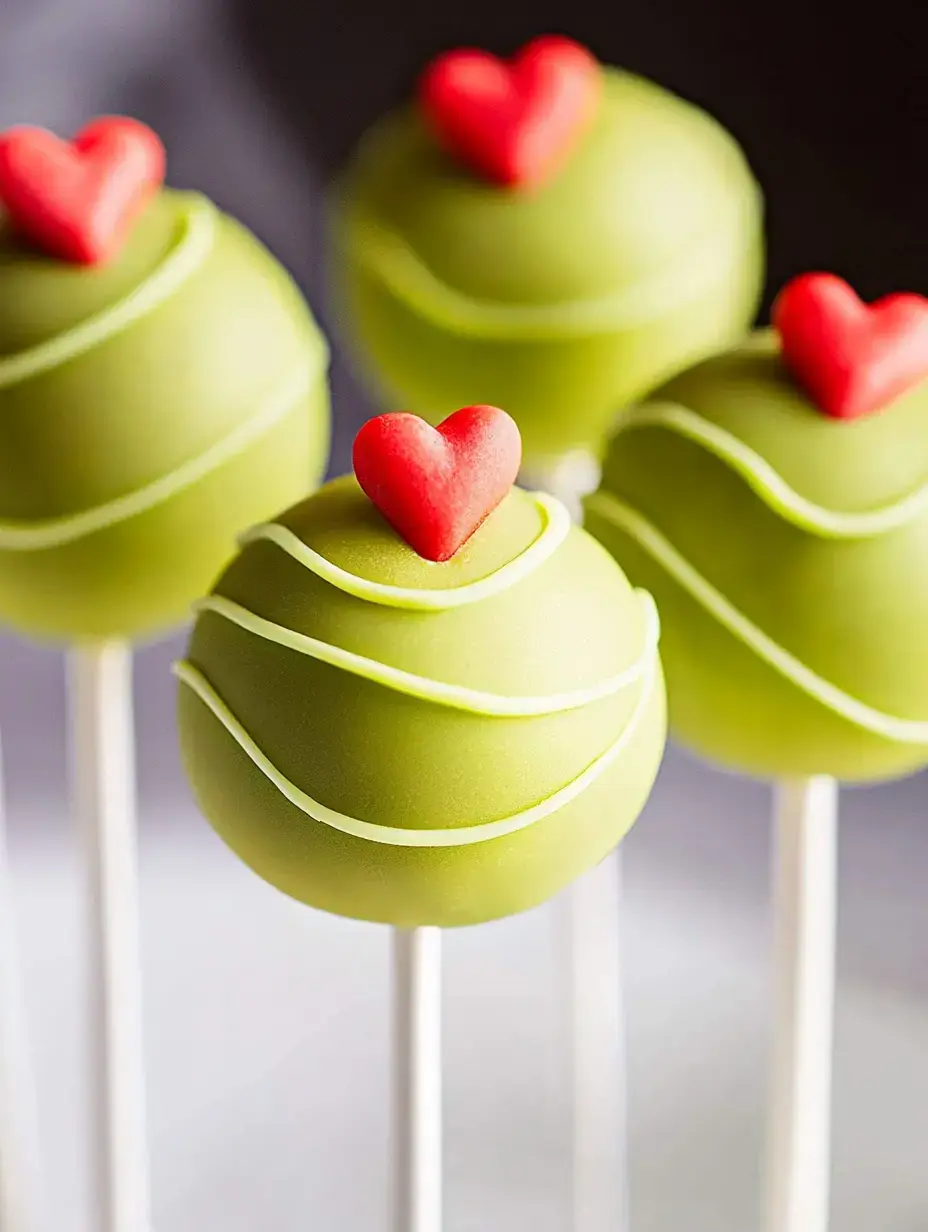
x=787 y=553
x=298 y=736
x=150 y=409
x=643 y=254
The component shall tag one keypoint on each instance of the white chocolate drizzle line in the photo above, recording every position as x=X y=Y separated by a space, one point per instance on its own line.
x=769 y=485
x=56 y=532
x=388 y=257
x=184 y=259
x=650 y=539
x=458 y=697
x=393 y=836
x=557 y=525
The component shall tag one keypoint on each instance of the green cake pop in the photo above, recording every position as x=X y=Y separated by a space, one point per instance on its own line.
x=162 y=385
x=551 y=235
x=423 y=741
x=775 y=501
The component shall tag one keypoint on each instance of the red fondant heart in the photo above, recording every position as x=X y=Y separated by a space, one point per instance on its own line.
x=513 y=123
x=76 y=199
x=436 y=485
x=851 y=358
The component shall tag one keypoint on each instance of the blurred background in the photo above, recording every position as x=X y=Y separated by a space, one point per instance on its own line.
x=267 y=1026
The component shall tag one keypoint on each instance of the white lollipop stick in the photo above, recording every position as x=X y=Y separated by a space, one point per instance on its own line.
x=104 y=796
x=805 y=906
x=599 y=1169
x=599 y=1083
x=22 y=1207
x=417 y=1096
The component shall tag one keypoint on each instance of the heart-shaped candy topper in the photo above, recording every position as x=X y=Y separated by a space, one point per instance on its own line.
x=436 y=485
x=851 y=358
x=76 y=200
x=513 y=123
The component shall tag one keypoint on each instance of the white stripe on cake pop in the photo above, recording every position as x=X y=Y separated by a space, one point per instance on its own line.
x=768 y=483
x=556 y=528
x=660 y=549
x=48 y=533
x=393 y=836
x=199 y=222
x=456 y=696
x=387 y=257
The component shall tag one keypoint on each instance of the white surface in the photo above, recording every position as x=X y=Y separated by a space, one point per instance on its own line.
x=103 y=769
x=417 y=1079
x=268 y=1031
x=804 y=905
x=22 y=1185
x=594 y=929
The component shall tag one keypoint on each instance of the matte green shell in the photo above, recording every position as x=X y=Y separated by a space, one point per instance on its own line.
x=853 y=609
x=562 y=304
x=387 y=758
x=232 y=344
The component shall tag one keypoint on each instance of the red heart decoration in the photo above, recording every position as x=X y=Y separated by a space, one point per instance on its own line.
x=436 y=485
x=76 y=200
x=851 y=358
x=513 y=123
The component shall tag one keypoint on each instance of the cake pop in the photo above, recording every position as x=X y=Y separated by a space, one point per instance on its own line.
x=774 y=500
x=422 y=696
x=162 y=385
x=547 y=233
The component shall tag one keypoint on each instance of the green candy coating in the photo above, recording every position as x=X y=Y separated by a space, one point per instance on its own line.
x=850 y=607
x=376 y=754
x=150 y=409
x=561 y=304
